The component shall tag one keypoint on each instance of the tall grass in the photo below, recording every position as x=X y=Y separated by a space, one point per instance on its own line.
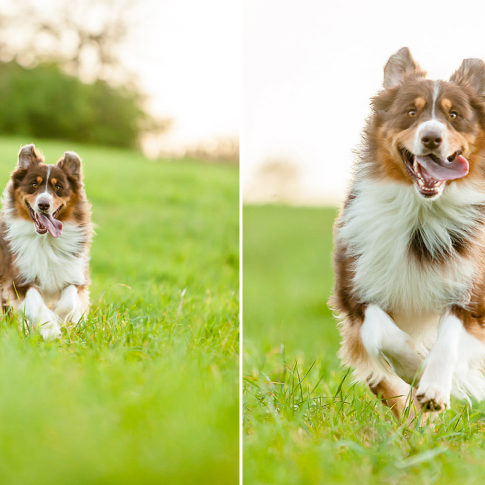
x=146 y=391
x=306 y=421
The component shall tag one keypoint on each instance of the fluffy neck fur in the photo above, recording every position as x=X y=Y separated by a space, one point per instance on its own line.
x=50 y=263
x=377 y=228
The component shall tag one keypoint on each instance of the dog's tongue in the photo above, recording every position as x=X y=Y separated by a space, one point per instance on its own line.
x=439 y=170
x=53 y=225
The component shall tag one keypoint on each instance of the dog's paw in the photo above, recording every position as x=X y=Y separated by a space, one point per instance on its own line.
x=75 y=316
x=50 y=331
x=407 y=367
x=433 y=398
x=69 y=308
x=404 y=360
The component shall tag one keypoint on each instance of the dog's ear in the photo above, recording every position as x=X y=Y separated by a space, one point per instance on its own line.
x=28 y=154
x=399 y=66
x=471 y=73
x=71 y=164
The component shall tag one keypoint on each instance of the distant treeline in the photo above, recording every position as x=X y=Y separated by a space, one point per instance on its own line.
x=45 y=102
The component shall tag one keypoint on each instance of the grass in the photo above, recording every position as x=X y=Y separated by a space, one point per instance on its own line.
x=305 y=421
x=146 y=392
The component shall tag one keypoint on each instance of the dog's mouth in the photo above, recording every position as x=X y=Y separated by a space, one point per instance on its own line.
x=430 y=173
x=46 y=222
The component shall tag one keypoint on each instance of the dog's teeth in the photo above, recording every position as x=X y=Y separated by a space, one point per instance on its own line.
x=415 y=165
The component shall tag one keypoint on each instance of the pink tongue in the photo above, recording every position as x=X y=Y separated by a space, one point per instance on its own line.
x=52 y=225
x=443 y=170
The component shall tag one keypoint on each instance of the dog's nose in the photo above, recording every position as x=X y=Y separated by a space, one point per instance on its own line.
x=44 y=206
x=431 y=140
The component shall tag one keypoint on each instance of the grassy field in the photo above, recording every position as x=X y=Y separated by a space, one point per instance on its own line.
x=146 y=392
x=305 y=421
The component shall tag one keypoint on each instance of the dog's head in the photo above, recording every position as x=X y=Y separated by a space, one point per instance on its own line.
x=46 y=194
x=429 y=133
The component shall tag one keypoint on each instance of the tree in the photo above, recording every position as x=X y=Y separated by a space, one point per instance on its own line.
x=84 y=37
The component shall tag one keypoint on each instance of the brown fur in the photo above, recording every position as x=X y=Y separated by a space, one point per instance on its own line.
x=396 y=114
x=392 y=397
x=391 y=126
x=67 y=189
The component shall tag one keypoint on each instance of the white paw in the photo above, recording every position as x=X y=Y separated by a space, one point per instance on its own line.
x=69 y=308
x=404 y=359
x=50 y=330
x=76 y=315
x=406 y=366
x=49 y=325
x=433 y=397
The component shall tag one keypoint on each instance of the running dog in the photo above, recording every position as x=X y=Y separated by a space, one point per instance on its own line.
x=410 y=240
x=46 y=230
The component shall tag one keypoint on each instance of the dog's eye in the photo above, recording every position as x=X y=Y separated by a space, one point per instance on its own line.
x=35 y=185
x=58 y=187
x=412 y=113
x=453 y=115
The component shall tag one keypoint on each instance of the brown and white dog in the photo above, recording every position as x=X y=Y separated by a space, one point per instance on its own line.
x=46 y=230
x=410 y=240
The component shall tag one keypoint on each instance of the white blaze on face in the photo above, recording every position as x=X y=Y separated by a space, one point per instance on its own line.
x=45 y=196
x=434 y=126
x=436 y=90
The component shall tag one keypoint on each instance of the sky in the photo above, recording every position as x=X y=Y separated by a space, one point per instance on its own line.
x=310 y=68
x=184 y=54
x=187 y=57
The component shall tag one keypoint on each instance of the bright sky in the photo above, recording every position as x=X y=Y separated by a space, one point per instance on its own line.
x=187 y=55
x=310 y=67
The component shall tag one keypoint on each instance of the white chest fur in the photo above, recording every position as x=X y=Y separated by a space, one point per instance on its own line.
x=377 y=228
x=52 y=263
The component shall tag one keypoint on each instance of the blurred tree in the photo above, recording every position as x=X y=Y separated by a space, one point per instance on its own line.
x=84 y=37
x=46 y=102
x=278 y=179
x=61 y=73
x=221 y=149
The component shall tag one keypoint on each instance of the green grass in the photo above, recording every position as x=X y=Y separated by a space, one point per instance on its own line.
x=147 y=391
x=305 y=421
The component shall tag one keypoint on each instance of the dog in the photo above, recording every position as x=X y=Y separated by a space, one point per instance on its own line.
x=45 y=236
x=409 y=242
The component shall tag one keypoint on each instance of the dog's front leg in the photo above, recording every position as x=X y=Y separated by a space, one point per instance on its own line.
x=435 y=385
x=38 y=314
x=383 y=339
x=70 y=307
